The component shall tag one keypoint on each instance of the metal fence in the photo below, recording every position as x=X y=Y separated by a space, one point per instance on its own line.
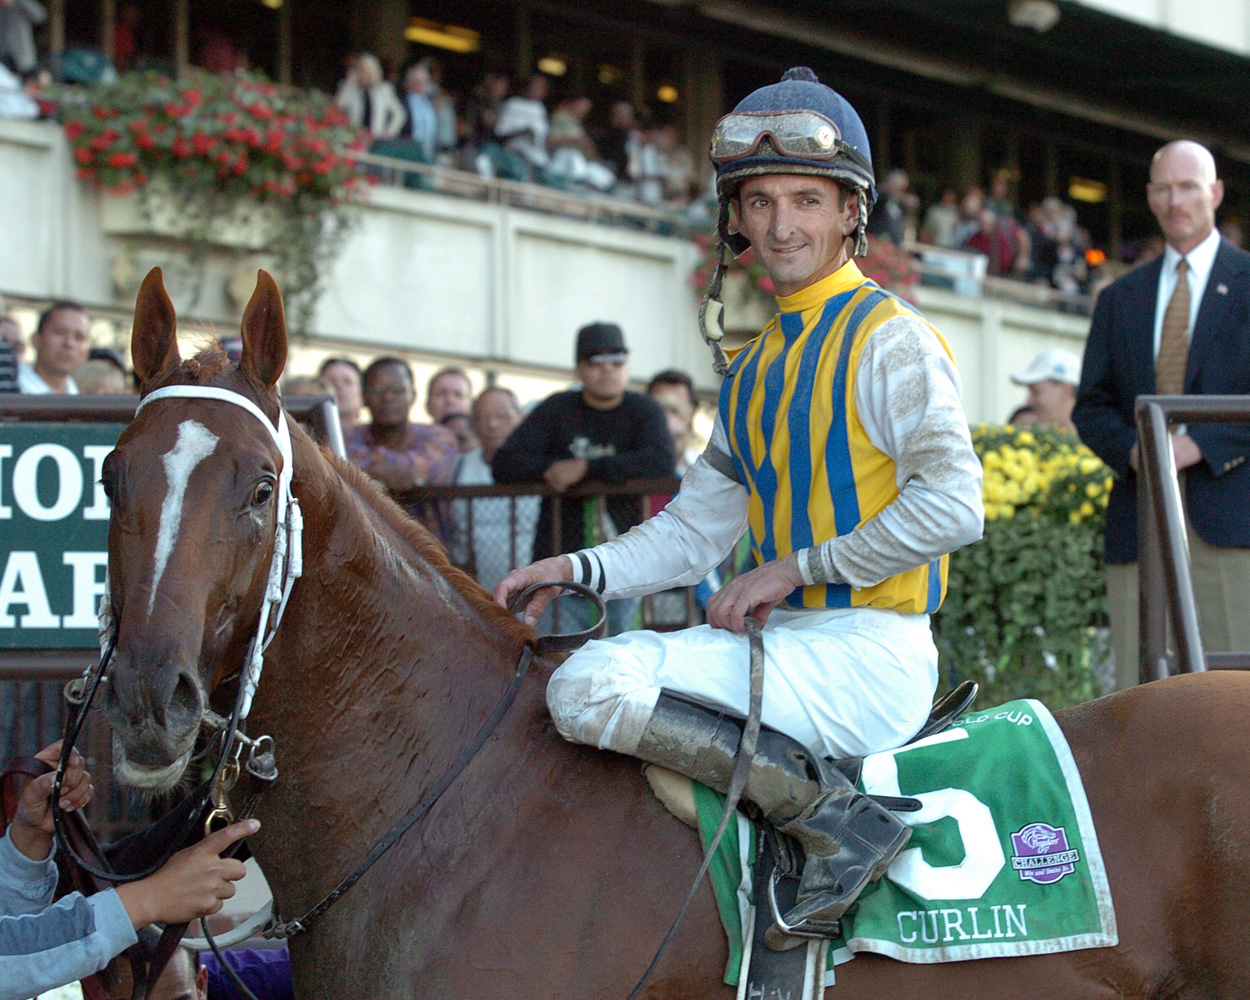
x=1166 y=582
x=490 y=530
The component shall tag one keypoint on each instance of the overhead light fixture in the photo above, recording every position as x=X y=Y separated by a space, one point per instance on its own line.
x=553 y=65
x=272 y=4
x=1083 y=189
x=442 y=36
x=667 y=93
x=1040 y=15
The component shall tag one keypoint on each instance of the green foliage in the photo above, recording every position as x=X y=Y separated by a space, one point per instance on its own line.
x=1023 y=604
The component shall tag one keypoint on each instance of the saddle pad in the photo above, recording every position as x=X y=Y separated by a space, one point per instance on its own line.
x=1003 y=859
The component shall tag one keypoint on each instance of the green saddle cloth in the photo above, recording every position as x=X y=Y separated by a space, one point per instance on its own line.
x=1003 y=860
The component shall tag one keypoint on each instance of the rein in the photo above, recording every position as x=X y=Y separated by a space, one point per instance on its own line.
x=545 y=644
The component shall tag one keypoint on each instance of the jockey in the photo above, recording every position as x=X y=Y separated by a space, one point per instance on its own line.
x=841 y=445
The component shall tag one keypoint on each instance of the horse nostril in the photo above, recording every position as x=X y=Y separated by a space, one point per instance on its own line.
x=184 y=703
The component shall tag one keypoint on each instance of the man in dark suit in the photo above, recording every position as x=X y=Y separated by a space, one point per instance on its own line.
x=1177 y=325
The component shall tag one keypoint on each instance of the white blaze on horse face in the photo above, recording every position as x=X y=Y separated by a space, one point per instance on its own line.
x=195 y=443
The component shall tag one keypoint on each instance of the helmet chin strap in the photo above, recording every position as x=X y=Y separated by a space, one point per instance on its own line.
x=712 y=306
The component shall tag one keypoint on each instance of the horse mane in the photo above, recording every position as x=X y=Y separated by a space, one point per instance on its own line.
x=429 y=549
x=212 y=363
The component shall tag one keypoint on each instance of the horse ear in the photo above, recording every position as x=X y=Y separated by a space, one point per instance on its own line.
x=153 y=344
x=264 y=333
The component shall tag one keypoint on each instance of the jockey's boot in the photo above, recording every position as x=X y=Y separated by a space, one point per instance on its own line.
x=849 y=840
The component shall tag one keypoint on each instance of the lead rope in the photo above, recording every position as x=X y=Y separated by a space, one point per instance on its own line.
x=742 y=770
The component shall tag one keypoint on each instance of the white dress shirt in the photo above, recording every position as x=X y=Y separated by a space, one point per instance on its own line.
x=1201 y=259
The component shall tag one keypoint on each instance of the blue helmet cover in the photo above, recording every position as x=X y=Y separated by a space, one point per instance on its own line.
x=800 y=90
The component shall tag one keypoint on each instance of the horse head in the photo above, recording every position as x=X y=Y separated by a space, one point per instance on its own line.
x=193 y=485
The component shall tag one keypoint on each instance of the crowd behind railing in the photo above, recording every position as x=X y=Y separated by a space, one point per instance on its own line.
x=536 y=142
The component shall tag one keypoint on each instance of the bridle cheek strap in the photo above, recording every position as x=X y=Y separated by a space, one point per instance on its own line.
x=287 y=562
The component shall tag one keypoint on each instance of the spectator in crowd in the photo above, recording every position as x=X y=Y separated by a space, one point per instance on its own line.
x=304 y=385
x=342 y=375
x=676 y=165
x=264 y=971
x=1070 y=273
x=397 y=453
x=10 y=340
x=971 y=207
x=17 y=34
x=573 y=154
x=568 y=127
x=421 y=126
x=15 y=102
x=103 y=374
x=999 y=199
x=52 y=945
x=1022 y=417
x=481 y=113
x=1052 y=379
x=1231 y=230
x=619 y=142
x=599 y=433
x=523 y=125
x=1178 y=326
x=446 y=132
x=889 y=218
x=674 y=391
x=461 y=426
x=369 y=100
x=501 y=539
x=941 y=219
x=61 y=340
x=448 y=391
x=1003 y=241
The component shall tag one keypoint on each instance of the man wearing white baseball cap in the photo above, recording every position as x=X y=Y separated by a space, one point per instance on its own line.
x=1052 y=379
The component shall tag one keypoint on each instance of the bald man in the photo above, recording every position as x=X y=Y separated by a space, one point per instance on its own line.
x=1179 y=325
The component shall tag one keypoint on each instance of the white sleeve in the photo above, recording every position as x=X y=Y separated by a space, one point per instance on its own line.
x=908 y=394
x=678 y=546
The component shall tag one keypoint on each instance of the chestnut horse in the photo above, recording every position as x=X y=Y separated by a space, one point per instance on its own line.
x=547 y=870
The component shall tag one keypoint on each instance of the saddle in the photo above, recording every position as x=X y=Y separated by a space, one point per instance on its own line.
x=778 y=965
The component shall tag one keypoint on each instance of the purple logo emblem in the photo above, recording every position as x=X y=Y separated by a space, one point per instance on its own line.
x=1042 y=854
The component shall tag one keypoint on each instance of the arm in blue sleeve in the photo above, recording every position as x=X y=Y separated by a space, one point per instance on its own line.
x=66 y=942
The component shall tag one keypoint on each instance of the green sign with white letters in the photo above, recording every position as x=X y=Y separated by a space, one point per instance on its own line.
x=54 y=521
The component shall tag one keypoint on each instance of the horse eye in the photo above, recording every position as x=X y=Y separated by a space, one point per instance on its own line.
x=262 y=493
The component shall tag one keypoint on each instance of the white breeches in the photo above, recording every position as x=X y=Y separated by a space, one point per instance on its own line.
x=843 y=681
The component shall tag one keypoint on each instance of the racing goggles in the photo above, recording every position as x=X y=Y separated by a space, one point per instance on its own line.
x=804 y=135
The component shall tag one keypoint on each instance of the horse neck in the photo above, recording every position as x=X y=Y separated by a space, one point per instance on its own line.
x=380 y=674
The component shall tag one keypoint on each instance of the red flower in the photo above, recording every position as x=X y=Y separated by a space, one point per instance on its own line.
x=85 y=173
x=765 y=285
x=74 y=130
x=140 y=178
x=103 y=113
x=177 y=110
x=182 y=148
x=82 y=155
x=145 y=141
x=122 y=159
x=240 y=166
x=137 y=126
x=202 y=142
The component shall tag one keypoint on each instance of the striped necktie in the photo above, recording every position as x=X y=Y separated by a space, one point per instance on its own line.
x=1174 y=340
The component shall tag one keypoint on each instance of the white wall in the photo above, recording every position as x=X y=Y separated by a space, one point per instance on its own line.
x=1222 y=24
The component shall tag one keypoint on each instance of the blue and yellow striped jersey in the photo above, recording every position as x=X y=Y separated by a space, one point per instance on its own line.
x=788 y=409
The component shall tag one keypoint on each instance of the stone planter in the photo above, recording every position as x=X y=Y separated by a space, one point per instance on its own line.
x=243 y=227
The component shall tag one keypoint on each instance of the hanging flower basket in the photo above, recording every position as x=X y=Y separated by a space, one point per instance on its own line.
x=220 y=160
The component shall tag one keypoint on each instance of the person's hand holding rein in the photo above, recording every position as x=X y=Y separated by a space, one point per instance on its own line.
x=555 y=568
x=753 y=594
x=193 y=883
x=31 y=830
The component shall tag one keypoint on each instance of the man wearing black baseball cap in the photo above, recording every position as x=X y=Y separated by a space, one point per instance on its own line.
x=601 y=432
